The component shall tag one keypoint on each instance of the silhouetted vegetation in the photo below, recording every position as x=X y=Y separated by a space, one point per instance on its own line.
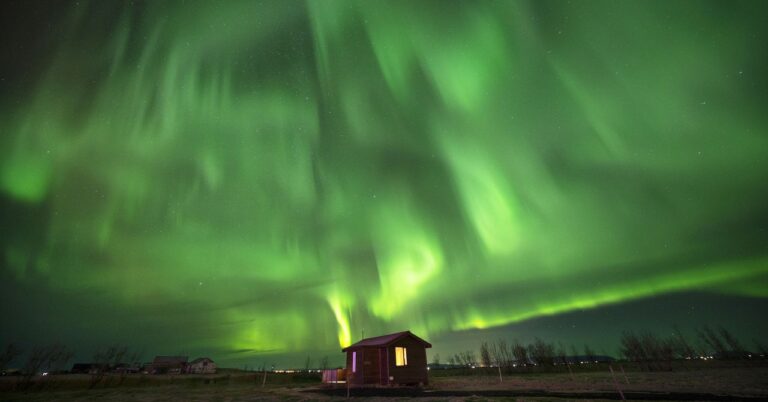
x=43 y=360
x=639 y=351
x=10 y=352
x=111 y=359
x=644 y=351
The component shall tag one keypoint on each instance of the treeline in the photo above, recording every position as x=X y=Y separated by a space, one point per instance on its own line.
x=516 y=354
x=655 y=352
x=649 y=350
x=53 y=358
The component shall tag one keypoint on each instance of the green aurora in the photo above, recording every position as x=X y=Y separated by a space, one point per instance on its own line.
x=272 y=177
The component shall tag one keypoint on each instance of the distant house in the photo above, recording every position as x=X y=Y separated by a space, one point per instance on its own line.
x=399 y=358
x=83 y=368
x=169 y=365
x=202 y=365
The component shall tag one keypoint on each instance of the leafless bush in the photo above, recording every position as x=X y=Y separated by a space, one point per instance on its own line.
x=44 y=359
x=11 y=352
x=562 y=358
x=654 y=353
x=466 y=358
x=735 y=347
x=485 y=355
x=760 y=348
x=520 y=353
x=501 y=354
x=680 y=345
x=710 y=338
x=105 y=361
x=589 y=354
x=542 y=353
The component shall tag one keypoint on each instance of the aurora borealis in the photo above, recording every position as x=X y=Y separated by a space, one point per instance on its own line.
x=248 y=178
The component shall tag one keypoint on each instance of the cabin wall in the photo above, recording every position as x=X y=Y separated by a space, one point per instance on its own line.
x=368 y=368
x=415 y=371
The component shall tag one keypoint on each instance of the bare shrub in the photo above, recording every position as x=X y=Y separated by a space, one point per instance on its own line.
x=542 y=353
x=11 y=352
x=710 y=338
x=44 y=359
x=520 y=353
x=106 y=360
x=589 y=354
x=485 y=355
x=501 y=354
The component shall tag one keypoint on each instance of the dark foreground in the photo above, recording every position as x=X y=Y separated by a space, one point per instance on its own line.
x=529 y=394
x=700 y=384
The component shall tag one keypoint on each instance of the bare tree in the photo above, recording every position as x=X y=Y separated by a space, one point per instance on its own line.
x=710 y=338
x=736 y=349
x=466 y=358
x=589 y=354
x=307 y=363
x=542 y=353
x=133 y=361
x=562 y=358
x=501 y=354
x=760 y=347
x=497 y=356
x=106 y=360
x=44 y=359
x=520 y=353
x=485 y=355
x=631 y=347
x=324 y=363
x=681 y=347
x=11 y=352
x=436 y=359
x=575 y=353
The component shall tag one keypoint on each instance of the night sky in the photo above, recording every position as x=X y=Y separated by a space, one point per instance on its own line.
x=259 y=181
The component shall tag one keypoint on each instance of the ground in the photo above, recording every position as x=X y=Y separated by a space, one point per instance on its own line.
x=730 y=383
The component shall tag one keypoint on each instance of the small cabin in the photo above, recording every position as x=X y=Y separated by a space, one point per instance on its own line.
x=203 y=365
x=169 y=365
x=394 y=359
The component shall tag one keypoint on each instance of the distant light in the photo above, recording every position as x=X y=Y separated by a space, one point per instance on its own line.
x=45 y=373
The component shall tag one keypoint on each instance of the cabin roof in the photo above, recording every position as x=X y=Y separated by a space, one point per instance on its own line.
x=385 y=340
x=201 y=359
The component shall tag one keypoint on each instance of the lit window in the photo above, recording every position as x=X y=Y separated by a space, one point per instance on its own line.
x=354 y=362
x=401 y=356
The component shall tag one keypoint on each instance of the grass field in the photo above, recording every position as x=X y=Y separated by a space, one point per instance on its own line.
x=699 y=383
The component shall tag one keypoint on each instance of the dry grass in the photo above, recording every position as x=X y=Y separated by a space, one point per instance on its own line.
x=751 y=381
x=744 y=381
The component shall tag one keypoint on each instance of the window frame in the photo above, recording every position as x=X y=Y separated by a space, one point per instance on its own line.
x=399 y=357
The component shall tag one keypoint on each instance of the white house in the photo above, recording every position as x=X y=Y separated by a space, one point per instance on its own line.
x=202 y=365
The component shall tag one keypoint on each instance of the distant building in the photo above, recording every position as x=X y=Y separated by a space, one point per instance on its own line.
x=128 y=368
x=399 y=358
x=169 y=365
x=84 y=368
x=202 y=365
